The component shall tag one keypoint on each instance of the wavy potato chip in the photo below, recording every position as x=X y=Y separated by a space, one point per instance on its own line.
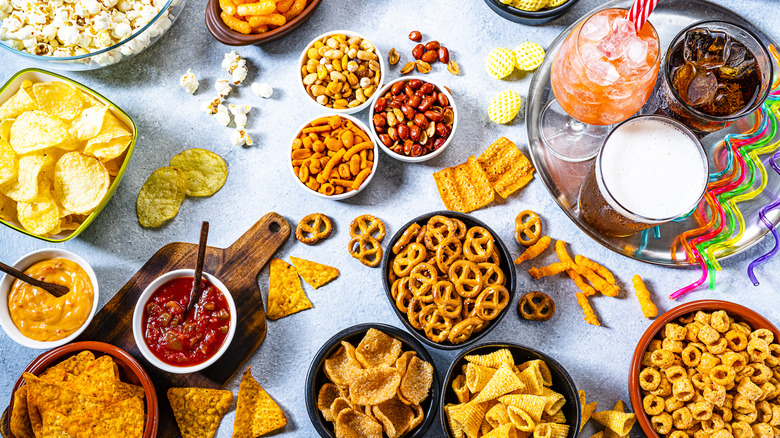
x=161 y=196
x=256 y=412
x=285 y=294
x=8 y=163
x=198 y=411
x=59 y=99
x=396 y=417
x=22 y=101
x=206 y=171
x=374 y=385
x=325 y=398
x=377 y=349
x=316 y=274
x=353 y=423
x=37 y=130
x=416 y=382
x=111 y=141
x=80 y=182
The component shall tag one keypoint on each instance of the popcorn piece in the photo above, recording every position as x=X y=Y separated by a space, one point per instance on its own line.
x=223 y=116
x=262 y=89
x=189 y=82
x=223 y=87
x=239 y=137
x=239 y=73
x=230 y=62
x=211 y=106
x=239 y=114
x=239 y=120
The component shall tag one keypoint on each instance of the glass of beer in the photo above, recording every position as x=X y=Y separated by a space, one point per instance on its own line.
x=602 y=74
x=651 y=170
x=715 y=72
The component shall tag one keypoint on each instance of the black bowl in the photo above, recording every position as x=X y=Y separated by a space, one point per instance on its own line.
x=534 y=18
x=316 y=377
x=562 y=381
x=506 y=265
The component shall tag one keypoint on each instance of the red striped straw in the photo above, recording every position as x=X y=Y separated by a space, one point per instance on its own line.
x=640 y=11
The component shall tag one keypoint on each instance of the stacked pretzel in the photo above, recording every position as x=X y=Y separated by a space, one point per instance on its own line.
x=447 y=280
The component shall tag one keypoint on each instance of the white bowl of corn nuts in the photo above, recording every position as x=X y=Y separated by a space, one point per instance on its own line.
x=333 y=156
x=341 y=70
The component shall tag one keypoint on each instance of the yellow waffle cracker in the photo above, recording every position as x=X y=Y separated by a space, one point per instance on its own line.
x=504 y=107
x=503 y=382
x=507 y=169
x=500 y=62
x=492 y=360
x=530 y=5
x=528 y=56
x=555 y=3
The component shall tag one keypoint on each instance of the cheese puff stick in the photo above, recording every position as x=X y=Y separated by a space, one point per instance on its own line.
x=546 y=271
x=599 y=283
x=534 y=250
x=563 y=256
x=590 y=316
x=595 y=267
x=648 y=308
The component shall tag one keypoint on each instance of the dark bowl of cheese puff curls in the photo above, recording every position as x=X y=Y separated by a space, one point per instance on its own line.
x=710 y=366
x=530 y=12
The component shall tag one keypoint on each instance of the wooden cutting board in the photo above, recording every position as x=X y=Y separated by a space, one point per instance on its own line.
x=238 y=267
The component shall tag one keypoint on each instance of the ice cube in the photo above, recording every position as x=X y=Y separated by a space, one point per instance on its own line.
x=589 y=52
x=739 y=62
x=702 y=87
x=602 y=73
x=614 y=45
x=595 y=28
x=636 y=53
x=611 y=47
x=623 y=29
x=705 y=48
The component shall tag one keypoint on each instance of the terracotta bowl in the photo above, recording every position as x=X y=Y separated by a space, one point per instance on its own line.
x=739 y=313
x=230 y=37
x=130 y=371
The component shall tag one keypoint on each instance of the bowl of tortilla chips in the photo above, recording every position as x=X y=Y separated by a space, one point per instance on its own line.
x=64 y=149
x=373 y=378
x=84 y=385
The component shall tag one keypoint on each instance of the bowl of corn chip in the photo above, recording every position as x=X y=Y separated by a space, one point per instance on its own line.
x=530 y=12
x=237 y=23
x=372 y=380
x=506 y=389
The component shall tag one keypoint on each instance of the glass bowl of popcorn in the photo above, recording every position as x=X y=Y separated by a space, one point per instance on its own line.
x=83 y=34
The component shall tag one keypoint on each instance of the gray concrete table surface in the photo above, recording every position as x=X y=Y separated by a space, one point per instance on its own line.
x=169 y=120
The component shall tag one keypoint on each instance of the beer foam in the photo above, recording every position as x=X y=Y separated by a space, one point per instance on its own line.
x=653 y=169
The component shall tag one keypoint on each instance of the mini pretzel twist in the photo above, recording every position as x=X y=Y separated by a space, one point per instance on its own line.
x=421 y=281
x=436 y=327
x=491 y=302
x=412 y=255
x=367 y=225
x=408 y=235
x=448 y=251
x=462 y=228
x=462 y=331
x=536 y=306
x=528 y=228
x=366 y=249
x=448 y=301
x=313 y=228
x=479 y=245
x=416 y=307
x=438 y=229
x=467 y=278
x=492 y=275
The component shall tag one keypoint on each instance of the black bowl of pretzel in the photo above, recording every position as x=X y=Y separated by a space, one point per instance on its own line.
x=449 y=278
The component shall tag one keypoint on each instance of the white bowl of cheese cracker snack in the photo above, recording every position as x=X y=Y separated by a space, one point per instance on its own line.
x=64 y=149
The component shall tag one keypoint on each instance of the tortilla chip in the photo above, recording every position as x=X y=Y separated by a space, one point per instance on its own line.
x=507 y=169
x=44 y=396
x=465 y=187
x=315 y=274
x=123 y=419
x=256 y=413
x=20 y=418
x=99 y=379
x=416 y=383
x=377 y=349
x=342 y=366
x=74 y=365
x=285 y=294
x=199 y=411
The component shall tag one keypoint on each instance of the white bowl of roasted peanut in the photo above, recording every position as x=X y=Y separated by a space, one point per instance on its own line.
x=341 y=70
x=334 y=156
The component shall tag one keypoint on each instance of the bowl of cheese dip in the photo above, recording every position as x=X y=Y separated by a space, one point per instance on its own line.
x=36 y=319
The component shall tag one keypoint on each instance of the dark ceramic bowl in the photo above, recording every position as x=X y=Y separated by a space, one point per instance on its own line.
x=130 y=371
x=230 y=37
x=534 y=18
x=506 y=265
x=739 y=313
x=316 y=377
x=562 y=381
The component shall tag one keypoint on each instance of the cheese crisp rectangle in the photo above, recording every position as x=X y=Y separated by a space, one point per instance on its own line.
x=465 y=187
x=507 y=169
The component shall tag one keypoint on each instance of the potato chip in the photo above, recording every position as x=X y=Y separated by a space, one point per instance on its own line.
x=585 y=409
x=396 y=417
x=111 y=141
x=532 y=404
x=416 y=383
x=528 y=56
x=377 y=349
x=285 y=294
x=113 y=166
x=500 y=62
x=503 y=382
x=493 y=360
x=256 y=412
x=505 y=107
x=8 y=164
x=619 y=422
x=477 y=376
x=89 y=123
x=199 y=411
x=5 y=129
x=25 y=188
x=161 y=196
x=325 y=398
x=60 y=99
x=206 y=171
x=507 y=169
x=465 y=187
x=20 y=418
x=36 y=130
x=80 y=182
x=315 y=274
x=7 y=208
x=21 y=102
x=353 y=423
x=342 y=366
x=374 y=385
x=41 y=217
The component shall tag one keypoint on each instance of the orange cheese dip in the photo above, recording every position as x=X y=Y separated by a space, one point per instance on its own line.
x=43 y=317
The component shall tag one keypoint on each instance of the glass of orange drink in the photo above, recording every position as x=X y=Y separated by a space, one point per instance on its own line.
x=602 y=74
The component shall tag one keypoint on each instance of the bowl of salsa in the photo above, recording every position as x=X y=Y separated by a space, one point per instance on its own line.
x=35 y=318
x=178 y=340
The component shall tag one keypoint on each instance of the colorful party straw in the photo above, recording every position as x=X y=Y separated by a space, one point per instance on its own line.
x=762 y=215
x=639 y=12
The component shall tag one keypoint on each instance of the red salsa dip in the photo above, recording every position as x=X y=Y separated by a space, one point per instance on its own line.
x=185 y=338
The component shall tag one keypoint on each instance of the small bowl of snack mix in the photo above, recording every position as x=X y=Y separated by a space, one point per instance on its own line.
x=707 y=365
x=530 y=12
x=110 y=32
x=414 y=118
x=261 y=22
x=339 y=146
x=341 y=70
